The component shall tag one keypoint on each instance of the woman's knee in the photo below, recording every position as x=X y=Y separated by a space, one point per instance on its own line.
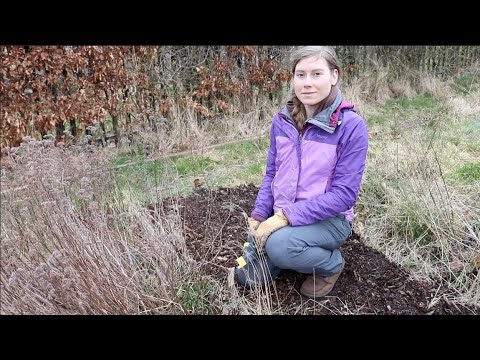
x=275 y=248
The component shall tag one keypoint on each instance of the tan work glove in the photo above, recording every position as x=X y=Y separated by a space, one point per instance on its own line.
x=273 y=223
x=252 y=224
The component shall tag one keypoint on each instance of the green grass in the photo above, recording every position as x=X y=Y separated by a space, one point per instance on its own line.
x=189 y=165
x=466 y=84
x=223 y=166
x=197 y=297
x=465 y=135
x=242 y=163
x=404 y=109
x=418 y=103
x=242 y=151
x=469 y=173
x=376 y=119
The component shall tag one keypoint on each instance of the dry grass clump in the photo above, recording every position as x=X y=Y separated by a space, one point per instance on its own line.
x=72 y=243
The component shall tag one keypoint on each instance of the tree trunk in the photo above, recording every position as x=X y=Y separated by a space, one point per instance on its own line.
x=116 y=130
x=73 y=128
x=60 y=131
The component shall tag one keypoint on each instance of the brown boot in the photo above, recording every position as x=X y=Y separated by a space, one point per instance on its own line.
x=316 y=286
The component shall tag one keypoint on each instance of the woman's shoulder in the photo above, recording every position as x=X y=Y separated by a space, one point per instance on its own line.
x=351 y=121
x=350 y=114
x=280 y=117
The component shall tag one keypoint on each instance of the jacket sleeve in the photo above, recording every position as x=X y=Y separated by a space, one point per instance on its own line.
x=345 y=187
x=263 y=207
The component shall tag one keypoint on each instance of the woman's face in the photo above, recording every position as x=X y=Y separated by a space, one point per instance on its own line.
x=312 y=80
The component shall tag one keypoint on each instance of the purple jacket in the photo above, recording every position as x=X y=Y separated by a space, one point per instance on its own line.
x=315 y=175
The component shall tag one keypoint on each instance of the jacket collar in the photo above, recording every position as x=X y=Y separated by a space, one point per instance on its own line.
x=328 y=119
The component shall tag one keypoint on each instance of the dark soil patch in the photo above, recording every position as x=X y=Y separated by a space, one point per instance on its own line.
x=215 y=230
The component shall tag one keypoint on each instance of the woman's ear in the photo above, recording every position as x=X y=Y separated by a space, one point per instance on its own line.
x=334 y=77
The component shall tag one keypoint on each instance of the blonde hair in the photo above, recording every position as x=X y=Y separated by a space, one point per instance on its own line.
x=298 y=112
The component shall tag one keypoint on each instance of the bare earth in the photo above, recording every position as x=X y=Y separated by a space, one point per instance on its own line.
x=215 y=229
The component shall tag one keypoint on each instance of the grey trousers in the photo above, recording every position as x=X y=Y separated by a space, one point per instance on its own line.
x=306 y=249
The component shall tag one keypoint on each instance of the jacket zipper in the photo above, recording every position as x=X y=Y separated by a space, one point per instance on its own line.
x=299 y=147
x=301 y=134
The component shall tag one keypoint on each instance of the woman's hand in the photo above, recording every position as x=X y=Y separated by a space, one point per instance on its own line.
x=252 y=224
x=267 y=227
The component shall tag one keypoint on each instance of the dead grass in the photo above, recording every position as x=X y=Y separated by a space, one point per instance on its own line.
x=72 y=244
